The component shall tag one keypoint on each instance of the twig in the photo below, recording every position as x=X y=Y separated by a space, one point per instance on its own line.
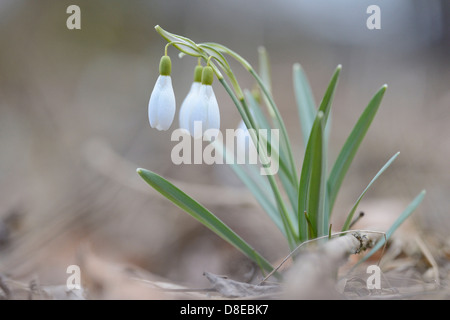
x=313 y=240
x=426 y=252
x=5 y=288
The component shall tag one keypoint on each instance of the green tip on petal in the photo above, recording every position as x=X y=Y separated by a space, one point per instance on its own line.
x=207 y=75
x=198 y=74
x=165 y=66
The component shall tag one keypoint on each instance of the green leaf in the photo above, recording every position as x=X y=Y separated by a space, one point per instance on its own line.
x=255 y=109
x=323 y=206
x=312 y=193
x=272 y=108
x=310 y=197
x=264 y=71
x=241 y=105
x=264 y=68
x=352 y=211
x=305 y=101
x=217 y=56
x=256 y=183
x=189 y=47
x=325 y=104
x=351 y=145
x=204 y=216
x=288 y=180
x=405 y=214
x=286 y=147
x=285 y=177
x=230 y=52
x=183 y=44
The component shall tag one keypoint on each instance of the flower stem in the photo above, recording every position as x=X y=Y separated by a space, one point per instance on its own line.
x=280 y=123
x=273 y=110
x=246 y=116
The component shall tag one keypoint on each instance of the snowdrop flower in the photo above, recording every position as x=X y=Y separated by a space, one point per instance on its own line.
x=190 y=99
x=161 y=107
x=202 y=111
x=245 y=145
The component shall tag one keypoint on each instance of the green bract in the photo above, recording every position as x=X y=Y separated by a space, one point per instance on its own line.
x=207 y=76
x=300 y=197
x=165 y=66
x=198 y=74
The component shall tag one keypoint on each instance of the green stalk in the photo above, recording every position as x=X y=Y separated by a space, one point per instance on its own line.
x=284 y=175
x=273 y=108
x=261 y=120
x=281 y=126
x=287 y=223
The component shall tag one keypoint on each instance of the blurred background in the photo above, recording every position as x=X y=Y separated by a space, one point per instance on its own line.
x=74 y=126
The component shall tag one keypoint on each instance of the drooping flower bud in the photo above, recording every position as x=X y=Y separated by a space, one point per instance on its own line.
x=203 y=108
x=190 y=99
x=161 y=107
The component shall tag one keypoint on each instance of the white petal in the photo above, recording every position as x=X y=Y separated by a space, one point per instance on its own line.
x=245 y=144
x=187 y=105
x=241 y=135
x=213 y=110
x=166 y=111
x=242 y=125
x=198 y=112
x=153 y=103
x=161 y=107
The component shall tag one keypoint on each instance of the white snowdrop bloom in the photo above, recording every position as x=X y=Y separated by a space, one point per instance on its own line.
x=245 y=146
x=161 y=107
x=190 y=99
x=242 y=134
x=202 y=111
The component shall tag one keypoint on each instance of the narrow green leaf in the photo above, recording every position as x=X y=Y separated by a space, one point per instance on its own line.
x=405 y=214
x=262 y=123
x=323 y=218
x=316 y=188
x=183 y=44
x=351 y=145
x=286 y=146
x=310 y=186
x=311 y=233
x=285 y=177
x=255 y=109
x=323 y=206
x=256 y=183
x=231 y=53
x=217 y=56
x=284 y=213
x=325 y=104
x=305 y=101
x=264 y=68
x=204 y=216
x=355 y=206
x=312 y=191
x=264 y=71
x=272 y=108
x=189 y=47
x=292 y=194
